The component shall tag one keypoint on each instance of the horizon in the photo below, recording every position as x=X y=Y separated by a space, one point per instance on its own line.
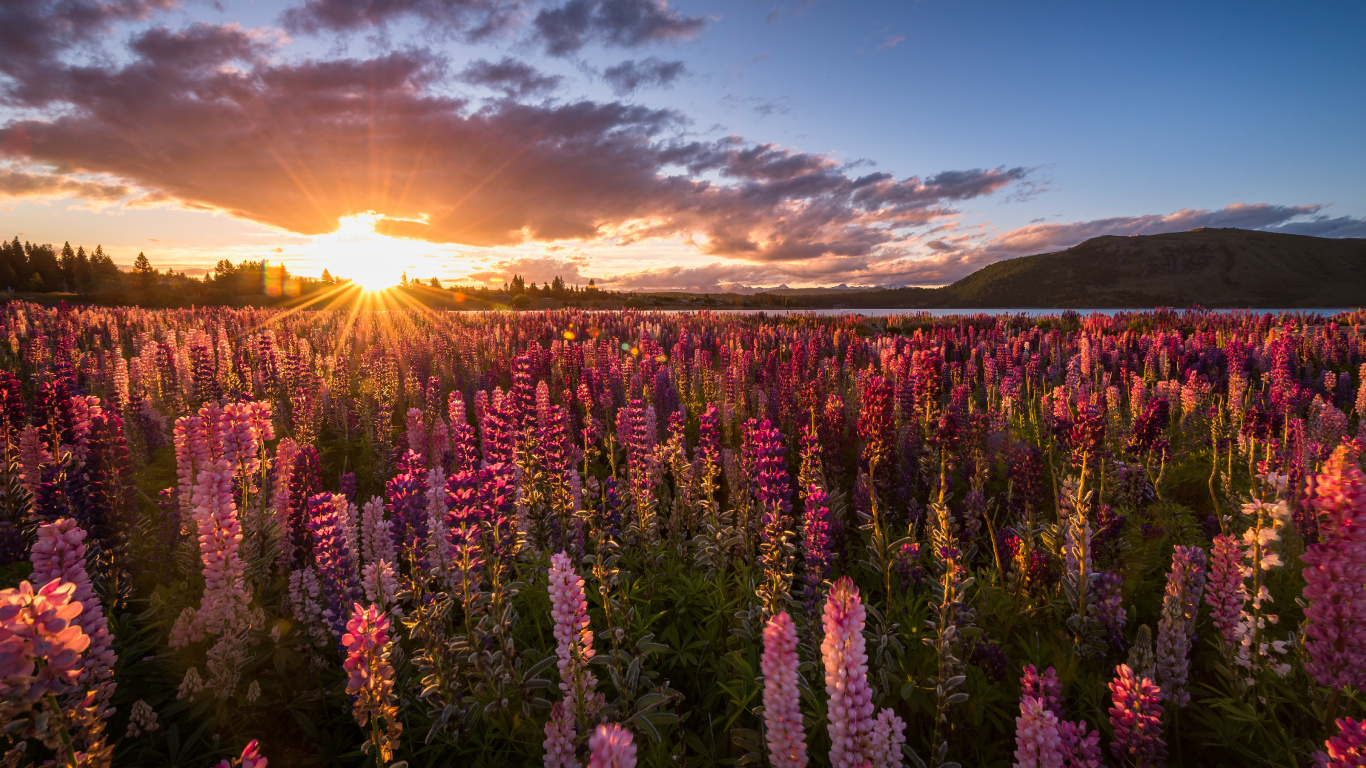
x=688 y=146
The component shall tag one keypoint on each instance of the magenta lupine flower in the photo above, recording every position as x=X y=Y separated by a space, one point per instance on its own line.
x=39 y=627
x=370 y=678
x=1335 y=576
x=224 y=606
x=1137 y=720
x=1180 y=608
x=1080 y=745
x=1347 y=749
x=1045 y=688
x=1037 y=743
x=305 y=480
x=251 y=758
x=464 y=450
x=59 y=553
x=611 y=747
x=286 y=452
x=850 y=708
x=1226 y=592
x=407 y=507
x=574 y=639
x=782 y=699
x=337 y=570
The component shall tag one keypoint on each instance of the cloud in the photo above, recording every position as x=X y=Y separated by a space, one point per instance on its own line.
x=1043 y=238
x=630 y=75
x=621 y=23
x=514 y=78
x=470 y=19
x=1322 y=226
x=211 y=117
x=21 y=184
x=533 y=269
x=891 y=41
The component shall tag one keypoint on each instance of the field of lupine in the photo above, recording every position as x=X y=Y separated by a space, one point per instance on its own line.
x=613 y=539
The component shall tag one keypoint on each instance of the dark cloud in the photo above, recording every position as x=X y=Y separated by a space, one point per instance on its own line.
x=514 y=78
x=1322 y=226
x=209 y=117
x=620 y=23
x=471 y=19
x=33 y=33
x=630 y=75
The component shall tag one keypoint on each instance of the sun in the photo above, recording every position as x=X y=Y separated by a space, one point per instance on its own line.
x=371 y=260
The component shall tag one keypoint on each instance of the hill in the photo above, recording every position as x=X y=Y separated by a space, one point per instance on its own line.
x=1209 y=267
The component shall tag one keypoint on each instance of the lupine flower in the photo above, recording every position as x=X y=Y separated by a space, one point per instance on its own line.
x=39 y=627
x=1080 y=746
x=407 y=507
x=884 y=743
x=1175 y=631
x=782 y=699
x=1108 y=603
x=251 y=758
x=559 y=739
x=1226 y=592
x=337 y=571
x=1347 y=749
x=611 y=747
x=817 y=557
x=370 y=678
x=59 y=553
x=574 y=639
x=1045 y=688
x=1335 y=576
x=224 y=606
x=850 y=708
x=1037 y=743
x=1137 y=720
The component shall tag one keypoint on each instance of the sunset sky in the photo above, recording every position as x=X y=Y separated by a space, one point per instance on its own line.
x=699 y=144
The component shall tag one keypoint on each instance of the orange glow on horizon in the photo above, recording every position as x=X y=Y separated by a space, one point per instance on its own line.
x=370 y=260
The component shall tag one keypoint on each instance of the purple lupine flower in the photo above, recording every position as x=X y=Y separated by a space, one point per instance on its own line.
x=1335 y=575
x=346 y=485
x=464 y=451
x=406 y=502
x=1137 y=720
x=782 y=699
x=1108 y=603
x=1180 y=608
x=1226 y=593
x=773 y=491
x=337 y=566
x=1148 y=428
x=465 y=510
x=303 y=483
x=1080 y=745
x=1347 y=749
x=817 y=556
x=846 y=676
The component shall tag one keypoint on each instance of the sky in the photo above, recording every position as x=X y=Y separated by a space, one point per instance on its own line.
x=697 y=145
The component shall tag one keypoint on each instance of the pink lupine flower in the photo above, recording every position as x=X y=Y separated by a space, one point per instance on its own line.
x=251 y=758
x=1335 y=576
x=1347 y=749
x=1137 y=720
x=59 y=553
x=1045 y=688
x=611 y=747
x=39 y=626
x=33 y=454
x=417 y=432
x=574 y=638
x=1226 y=592
x=224 y=606
x=370 y=678
x=846 y=676
x=1037 y=743
x=782 y=699
x=559 y=739
x=885 y=740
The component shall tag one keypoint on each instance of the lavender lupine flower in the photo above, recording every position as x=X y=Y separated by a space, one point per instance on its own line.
x=406 y=502
x=574 y=640
x=1037 y=743
x=782 y=700
x=611 y=747
x=884 y=743
x=1226 y=592
x=337 y=571
x=1335 y=576
x=1137 y=720
x=1080 y=745
x=846 y=676
x=1348 y=748
x=1175 y=631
